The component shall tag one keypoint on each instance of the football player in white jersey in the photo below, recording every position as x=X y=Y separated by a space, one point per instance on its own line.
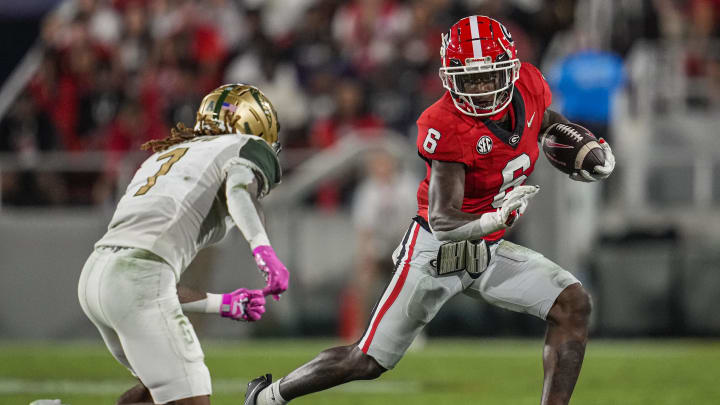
x=197 y=185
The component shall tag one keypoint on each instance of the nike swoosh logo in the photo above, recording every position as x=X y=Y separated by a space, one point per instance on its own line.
x=238 y=308
x=529 y=123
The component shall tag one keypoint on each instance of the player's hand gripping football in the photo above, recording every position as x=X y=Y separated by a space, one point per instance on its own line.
x=243 y=305
x=276 y=274
x=515 y=203
x=599 y=172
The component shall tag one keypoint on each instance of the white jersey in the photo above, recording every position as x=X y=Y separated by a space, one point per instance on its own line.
x=175 y=204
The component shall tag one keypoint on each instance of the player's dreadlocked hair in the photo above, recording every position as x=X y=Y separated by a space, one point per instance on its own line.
x=181 y=133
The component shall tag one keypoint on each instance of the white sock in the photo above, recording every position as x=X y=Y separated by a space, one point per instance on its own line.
x=271 y=395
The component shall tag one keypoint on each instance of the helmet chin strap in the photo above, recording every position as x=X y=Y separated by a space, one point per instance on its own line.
x=463 y=106
x=500 y=114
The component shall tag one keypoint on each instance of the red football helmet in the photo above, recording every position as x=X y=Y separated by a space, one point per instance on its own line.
x=479 y=65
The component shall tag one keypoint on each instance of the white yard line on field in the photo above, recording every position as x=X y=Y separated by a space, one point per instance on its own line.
x=220 y=386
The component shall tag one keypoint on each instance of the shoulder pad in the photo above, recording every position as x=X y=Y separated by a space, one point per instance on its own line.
x=534 y=83
x=439 y=138
x=261 y=154
x=531 y=78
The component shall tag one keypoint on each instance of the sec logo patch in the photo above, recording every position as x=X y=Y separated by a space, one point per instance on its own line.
x=484 y=145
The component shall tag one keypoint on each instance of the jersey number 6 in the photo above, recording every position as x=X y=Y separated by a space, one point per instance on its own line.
x=431 y=140
x=173 y=156
x=520 y=163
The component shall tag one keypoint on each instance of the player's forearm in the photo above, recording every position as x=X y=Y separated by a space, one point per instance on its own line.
x=449 y=225
x=244 y=208
x=445 y=197
x=552 y=117
x=240 y=305
x=241 y=192
x=448 y=218
x=513 y=205
x=196 y=301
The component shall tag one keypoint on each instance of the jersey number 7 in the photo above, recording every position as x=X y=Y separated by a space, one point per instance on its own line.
x=173 y=156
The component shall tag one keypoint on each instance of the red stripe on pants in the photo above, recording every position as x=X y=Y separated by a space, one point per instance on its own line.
x=395 y=292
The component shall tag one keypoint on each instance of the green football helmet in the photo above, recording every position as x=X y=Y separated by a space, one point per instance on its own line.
x=238 y=109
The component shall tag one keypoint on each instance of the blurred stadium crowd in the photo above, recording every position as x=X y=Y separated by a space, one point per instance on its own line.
x=117 y=73
x=111 y=74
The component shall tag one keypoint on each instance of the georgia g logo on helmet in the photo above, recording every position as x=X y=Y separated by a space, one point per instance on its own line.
x=479 y=65
x=506 y=32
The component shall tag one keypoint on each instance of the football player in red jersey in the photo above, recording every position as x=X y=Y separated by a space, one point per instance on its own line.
x=480 y=142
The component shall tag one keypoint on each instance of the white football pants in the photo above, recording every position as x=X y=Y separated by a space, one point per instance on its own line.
x=517 y=278
x=130 y=296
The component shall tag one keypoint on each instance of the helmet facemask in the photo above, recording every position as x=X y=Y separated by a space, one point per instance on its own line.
x=481 y=88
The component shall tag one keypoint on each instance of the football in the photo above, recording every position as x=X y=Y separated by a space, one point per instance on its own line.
x=571 y=147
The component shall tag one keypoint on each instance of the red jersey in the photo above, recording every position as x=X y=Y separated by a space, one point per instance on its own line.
x=496 y=160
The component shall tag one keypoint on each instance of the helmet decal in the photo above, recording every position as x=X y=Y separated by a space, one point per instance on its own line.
x=227 y=106
x=505 y=32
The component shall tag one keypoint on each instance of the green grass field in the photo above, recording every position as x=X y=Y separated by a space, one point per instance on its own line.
x=497 y=372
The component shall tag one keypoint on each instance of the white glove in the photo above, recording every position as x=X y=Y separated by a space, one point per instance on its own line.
x=599 y=172
x=514 y=204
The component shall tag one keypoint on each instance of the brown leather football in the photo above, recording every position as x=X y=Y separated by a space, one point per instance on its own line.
x=571 y=147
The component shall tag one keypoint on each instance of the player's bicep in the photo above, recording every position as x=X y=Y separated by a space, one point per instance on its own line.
x=446 y=190
x=243 y=206
x=243 y=178
x=262 y=161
